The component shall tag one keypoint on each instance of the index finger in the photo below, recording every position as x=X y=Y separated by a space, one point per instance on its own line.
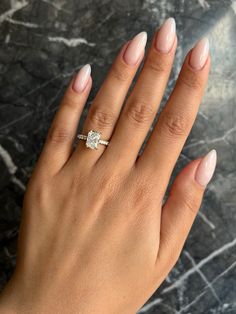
x=176 y=120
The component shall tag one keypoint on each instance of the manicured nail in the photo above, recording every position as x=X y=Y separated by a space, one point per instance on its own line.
x=199 y=54
x=82 y=78
x=166 y=35
x=135 y=48
x=206 y=168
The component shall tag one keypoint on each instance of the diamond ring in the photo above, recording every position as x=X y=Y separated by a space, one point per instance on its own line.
x=92 y=139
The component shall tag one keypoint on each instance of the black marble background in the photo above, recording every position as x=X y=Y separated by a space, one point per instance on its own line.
x=43 y=42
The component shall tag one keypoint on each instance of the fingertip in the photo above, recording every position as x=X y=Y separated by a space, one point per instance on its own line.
x=187 y=174
x=198 y=172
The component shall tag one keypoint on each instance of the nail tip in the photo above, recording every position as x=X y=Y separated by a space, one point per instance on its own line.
x=212 y=157
x=144 y=39
x=213 y=152
x=171 y=19
x=143 y=36
x=86 y=67
x=203 y=41
x=206 y=43
x=143 y=33
x=205 y=38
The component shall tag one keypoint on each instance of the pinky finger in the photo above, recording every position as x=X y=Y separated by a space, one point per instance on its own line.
x=58 y=145
x=181 y=208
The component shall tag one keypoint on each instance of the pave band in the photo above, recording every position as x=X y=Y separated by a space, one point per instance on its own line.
x=92 y=139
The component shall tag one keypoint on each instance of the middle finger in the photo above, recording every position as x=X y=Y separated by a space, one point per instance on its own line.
x=142 y=105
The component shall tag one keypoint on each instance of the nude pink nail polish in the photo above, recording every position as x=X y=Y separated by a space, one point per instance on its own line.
x=199 y=54
x=206 y=168
x=166 y=35
x=135 y=48
x=82 y=78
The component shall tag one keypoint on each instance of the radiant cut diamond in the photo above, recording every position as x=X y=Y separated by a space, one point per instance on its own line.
x=93 y=139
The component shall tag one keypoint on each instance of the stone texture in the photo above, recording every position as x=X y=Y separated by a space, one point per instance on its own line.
x=44 y=42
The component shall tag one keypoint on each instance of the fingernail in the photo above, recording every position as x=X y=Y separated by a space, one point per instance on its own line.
x=82 y=78
x=199 y=54
x=135 y=48
x=166 y=35
x=206 y=168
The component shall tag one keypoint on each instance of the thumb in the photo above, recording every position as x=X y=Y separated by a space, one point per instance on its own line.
x=181 y=207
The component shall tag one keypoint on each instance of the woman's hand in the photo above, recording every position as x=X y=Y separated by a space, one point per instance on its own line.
x=95 y=236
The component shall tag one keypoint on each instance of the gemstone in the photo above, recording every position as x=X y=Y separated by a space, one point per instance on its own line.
x=93 y=139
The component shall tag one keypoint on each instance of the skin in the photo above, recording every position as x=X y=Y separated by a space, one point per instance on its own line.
x=95 y=236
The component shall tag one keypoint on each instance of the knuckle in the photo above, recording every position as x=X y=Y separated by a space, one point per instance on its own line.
x=139 y=112
x=69 y=100
x=38 y=191
x=191 y=204
x=109 y=183
x=142 y=194
x=59 y=135
x=191 y=80
x=41 y=195
x=100 y=118
x=76 y=183
x=157 y=65
x=174 y=124
x=121 y=74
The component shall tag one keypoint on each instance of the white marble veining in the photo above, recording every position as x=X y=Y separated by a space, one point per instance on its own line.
x=44 y=42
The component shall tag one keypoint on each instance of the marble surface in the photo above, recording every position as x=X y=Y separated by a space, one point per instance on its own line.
x=43 y=42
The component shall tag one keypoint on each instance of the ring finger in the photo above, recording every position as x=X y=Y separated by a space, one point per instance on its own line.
x=108 y=102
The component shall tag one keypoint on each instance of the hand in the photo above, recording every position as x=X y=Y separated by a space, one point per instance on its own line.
x=95 y=236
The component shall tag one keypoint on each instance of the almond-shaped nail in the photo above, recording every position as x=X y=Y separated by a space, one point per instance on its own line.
x=135 y=48
x=166 y=35
x=206 y=168
x=199 y=54
x=81 y=79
